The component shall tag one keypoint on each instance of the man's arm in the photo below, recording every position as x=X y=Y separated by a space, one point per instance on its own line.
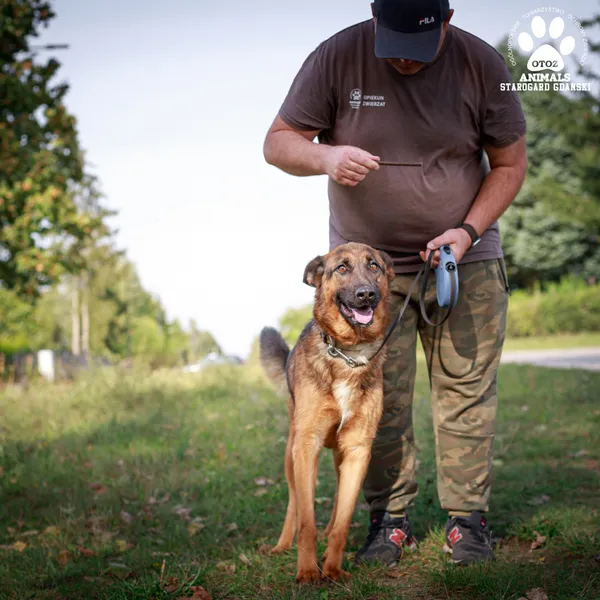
x=294 y=152
x=508 y=167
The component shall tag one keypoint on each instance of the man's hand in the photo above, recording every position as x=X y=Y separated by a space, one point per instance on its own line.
x=458 y=239
x=348 y=165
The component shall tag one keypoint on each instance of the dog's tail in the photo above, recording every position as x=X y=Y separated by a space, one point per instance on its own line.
x=274 y=353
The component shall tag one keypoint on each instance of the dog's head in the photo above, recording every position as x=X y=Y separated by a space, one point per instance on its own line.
x=352 y=297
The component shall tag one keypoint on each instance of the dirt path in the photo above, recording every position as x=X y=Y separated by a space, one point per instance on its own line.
x=572 y=358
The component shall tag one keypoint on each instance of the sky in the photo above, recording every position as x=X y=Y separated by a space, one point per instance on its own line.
x=173 y=101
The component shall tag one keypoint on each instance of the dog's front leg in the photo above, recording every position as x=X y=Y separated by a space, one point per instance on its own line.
x=306 y=453
x=353 y=468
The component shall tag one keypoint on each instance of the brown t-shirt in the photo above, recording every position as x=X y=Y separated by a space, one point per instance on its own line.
x=441 y=117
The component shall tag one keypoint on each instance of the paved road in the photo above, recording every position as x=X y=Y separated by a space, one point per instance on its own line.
x=573 y=358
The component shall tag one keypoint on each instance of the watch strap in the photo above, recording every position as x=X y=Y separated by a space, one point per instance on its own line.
x=475 y=239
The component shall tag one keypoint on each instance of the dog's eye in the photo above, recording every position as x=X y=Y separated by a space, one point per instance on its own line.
x=373 y=266
x=342 y=269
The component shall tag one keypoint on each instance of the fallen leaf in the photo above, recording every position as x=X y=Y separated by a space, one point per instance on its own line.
x=11 y=530
x=183 y=512
x=195 y=527
x=126 y=517
x=63 y=558
x=88 y=465
x=261 y=492
x=231 y=527
x=245 y=559
x=51 y=530
x=536 y=594
x=228 y=567
x=19 y=546
x=123 y=545
x=323 y=500
x=263 y=481
x=539 y=541
x=85 y=551
x=98 y=488
x=397 y=574
x=579 y=453
x=199 y=593
x=524 y=408
x=118 y=570
x=152 y=500
x=29 y=533
x=171 y=585
x=539 y=500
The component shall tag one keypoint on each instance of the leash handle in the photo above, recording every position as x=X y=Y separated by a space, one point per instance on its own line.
x=447 y=266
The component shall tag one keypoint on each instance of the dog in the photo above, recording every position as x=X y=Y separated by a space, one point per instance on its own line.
x=334 y=382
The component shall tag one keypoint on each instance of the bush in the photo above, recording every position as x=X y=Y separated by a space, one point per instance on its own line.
x=570 y=306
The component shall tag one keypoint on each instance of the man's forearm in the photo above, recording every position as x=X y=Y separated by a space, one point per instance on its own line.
x=497 y=192
x=293 y=153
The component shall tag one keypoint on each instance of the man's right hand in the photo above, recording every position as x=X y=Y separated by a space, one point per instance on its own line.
x=348 y=165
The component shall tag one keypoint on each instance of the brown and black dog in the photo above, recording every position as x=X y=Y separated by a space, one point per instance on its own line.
x=331 y=403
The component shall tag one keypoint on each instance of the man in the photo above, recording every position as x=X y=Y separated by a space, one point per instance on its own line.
x=409 y=87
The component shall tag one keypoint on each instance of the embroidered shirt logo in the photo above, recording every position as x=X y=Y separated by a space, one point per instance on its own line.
x=358 y=99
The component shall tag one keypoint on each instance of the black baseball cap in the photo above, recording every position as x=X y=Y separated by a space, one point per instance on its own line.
x=409 y=29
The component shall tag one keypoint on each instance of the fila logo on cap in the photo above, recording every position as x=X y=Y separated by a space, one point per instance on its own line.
x=427 y=21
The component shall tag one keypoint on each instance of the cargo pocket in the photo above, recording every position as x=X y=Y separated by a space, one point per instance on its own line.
x=504 y=275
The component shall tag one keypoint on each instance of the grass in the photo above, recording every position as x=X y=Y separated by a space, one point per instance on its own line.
x=563 y=341
x=139 y=486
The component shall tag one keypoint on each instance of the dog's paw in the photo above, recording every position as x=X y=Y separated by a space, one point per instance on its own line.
x=310 y=575
x=334 y=573
x=279 y=549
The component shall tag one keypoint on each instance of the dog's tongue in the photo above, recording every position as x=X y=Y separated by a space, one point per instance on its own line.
x=362 y=315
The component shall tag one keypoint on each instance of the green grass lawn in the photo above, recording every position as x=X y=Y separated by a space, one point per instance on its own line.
x=139 y=486
x=563 y=341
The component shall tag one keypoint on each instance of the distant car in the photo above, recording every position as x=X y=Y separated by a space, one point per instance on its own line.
x=213 y=359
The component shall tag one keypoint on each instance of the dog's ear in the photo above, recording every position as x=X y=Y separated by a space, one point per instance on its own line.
x=314 y=271
x=389 y=265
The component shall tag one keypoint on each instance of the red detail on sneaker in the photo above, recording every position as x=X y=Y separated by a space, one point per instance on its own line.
x=454 y=536
x=397 y=537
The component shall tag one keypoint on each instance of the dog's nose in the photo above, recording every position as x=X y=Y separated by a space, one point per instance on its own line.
x=366 y=293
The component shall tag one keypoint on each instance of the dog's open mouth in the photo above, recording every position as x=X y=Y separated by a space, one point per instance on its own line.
x=362 y=316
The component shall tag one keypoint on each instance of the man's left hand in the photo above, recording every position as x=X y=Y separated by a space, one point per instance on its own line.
x=458 y=239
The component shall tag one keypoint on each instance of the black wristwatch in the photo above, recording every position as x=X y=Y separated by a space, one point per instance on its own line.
x=475 y=239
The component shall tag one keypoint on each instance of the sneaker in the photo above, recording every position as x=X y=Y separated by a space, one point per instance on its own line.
x=387 y=539
x=468 y=539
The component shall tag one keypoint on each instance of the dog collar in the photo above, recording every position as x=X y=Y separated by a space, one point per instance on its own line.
x=335 y=352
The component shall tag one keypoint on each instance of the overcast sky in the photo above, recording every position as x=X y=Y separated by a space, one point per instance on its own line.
x=173 y=100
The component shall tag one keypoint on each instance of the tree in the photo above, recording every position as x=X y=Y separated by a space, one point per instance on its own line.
x=41 y=164
x=552 y=228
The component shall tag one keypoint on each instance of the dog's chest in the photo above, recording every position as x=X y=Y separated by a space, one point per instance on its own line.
x=344 y=393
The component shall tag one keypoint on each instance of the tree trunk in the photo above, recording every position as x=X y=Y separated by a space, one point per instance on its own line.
x=85 y=316
x=75 y=323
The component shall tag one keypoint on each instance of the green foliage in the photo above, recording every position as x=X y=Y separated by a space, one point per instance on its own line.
x=293 y=321
x=42 y=174
x=568 y=307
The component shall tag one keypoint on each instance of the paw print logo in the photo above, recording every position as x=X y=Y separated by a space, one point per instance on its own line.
x=355 y=95
x=546 y=57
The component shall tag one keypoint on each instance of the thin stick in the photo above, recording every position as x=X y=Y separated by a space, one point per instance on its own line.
x=389 y=163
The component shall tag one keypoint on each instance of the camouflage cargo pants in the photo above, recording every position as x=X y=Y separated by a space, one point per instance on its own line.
x=466 y=354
